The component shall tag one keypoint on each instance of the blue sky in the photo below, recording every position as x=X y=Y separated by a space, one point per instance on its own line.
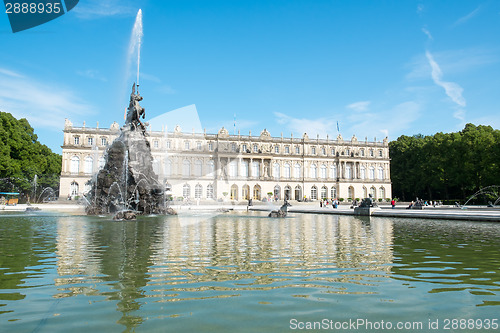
x=379 y=68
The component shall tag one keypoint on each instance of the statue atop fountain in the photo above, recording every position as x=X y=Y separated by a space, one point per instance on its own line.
x=135 y=111
x=127 y=182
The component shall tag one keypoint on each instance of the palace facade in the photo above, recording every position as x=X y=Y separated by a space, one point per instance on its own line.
x=239 y=167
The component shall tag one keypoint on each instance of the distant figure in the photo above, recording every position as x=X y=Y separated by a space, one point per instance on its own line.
x=393 y=203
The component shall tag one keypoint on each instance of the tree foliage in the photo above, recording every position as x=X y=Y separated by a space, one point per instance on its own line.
x=445 y=166
x=22 y=157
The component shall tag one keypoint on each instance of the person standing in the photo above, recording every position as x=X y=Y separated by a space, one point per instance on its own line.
x=393 y=203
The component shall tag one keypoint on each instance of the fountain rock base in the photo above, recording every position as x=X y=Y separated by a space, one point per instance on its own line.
x=127 y=181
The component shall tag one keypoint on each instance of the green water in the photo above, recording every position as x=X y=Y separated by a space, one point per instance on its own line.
x=244 y=272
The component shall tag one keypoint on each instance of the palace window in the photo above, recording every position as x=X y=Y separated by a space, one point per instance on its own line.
x=333 y=192
x=255 y=169
x=286 y=171
x=297 y=171
x=75 y=164
x=333 y=171
x=276 y=171
x=244 y=169
x=380 y=154
x=198 y=190
x=168 y=167
x=90 y=141
x=198 y=168
x=287 y=150
x=156 y=144
x=371 y=152
x=233 y=169
x=381 y=193
x=198 y=145
x=73 y=189
x=324 y=192
x=89 y=163
x=362 y=173
x=104 y=141
x=348 y=171
x=313 y=150
x=323 y=151
x=314 y=193
x=277 y=149
x=380 y=173
x=322 y=171
x=186 y=168
x=186 y=145
x=255 y=148
x=169 y=143
x=210 y=146
x=371 y=174
x=244 y=148
x=297 y=150
x=211 y=168
x=314 y=171
x=210 y=191
x=362 y=152
x=233 y=147
x=76 y=140
x=186 y=191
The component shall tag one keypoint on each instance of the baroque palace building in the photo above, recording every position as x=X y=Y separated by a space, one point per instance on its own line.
x=239 y=167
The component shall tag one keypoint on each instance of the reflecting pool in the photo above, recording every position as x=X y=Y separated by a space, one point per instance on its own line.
x=245 y=272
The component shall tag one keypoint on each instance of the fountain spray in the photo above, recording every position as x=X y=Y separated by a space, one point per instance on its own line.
x=136 y=41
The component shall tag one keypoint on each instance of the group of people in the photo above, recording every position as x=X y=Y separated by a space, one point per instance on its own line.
x=325 y=202
x=421 y=203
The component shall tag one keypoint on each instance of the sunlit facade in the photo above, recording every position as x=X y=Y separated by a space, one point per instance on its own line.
x=239 y=167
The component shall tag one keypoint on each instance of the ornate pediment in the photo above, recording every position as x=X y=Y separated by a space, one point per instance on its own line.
x=223 y=133
x=265 y=135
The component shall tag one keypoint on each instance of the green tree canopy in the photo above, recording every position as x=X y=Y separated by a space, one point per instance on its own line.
x=449 y=166
x=22 y=157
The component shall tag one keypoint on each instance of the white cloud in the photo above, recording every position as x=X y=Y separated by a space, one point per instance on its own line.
x=452 y=89
x=370 y=124
x=7 y=72
x=92 y=74
x=166 y=89
x=467 y=17
x=94 y=9
x=427 y=32
x=359 y=106
x=319 y=126
x=452 y=62
x=388 y=122
x=43 y=104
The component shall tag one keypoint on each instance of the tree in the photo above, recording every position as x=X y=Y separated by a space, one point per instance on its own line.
x=446 y=165
x=22 y=157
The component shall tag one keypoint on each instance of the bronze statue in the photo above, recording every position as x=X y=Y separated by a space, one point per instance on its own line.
x=135 y=111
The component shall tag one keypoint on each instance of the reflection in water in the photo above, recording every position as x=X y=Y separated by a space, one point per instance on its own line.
x=215 y=273
x=455 y=256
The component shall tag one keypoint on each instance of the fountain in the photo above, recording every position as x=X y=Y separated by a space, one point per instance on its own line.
x=127 y=185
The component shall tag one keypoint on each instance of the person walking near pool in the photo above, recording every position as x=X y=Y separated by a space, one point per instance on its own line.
x=393 y=203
